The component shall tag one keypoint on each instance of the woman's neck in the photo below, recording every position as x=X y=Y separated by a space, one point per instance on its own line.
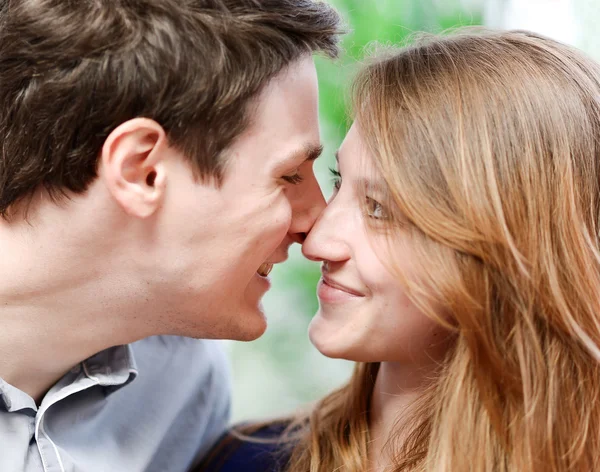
x=397 y=386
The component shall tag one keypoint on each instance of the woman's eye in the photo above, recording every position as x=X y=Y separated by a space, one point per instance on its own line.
x=337 y=179
x=294 y=179
x=375 y=209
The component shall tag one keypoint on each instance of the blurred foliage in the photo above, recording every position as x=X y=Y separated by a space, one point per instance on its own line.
x=280 y=371
x=389 y=22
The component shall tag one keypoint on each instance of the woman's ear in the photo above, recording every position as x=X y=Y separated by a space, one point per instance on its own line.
x=132 y=166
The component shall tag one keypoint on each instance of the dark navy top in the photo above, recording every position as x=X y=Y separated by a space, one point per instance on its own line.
x=231 y=454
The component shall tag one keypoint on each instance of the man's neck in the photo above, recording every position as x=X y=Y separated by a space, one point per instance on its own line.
x=59 y=305
x=39 y=344
x=43 y=337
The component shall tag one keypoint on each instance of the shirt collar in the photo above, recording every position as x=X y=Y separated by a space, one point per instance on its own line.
x=13 y=399
x=113 y=367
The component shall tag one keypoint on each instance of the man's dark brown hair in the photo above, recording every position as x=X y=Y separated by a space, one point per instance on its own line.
x=73 y=70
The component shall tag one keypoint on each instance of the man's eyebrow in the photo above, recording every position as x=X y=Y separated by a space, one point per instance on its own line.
x=308 y=153
x=313 y=152
x=337 y=156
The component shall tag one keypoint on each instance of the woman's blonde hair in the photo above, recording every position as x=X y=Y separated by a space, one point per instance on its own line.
x=490 y=146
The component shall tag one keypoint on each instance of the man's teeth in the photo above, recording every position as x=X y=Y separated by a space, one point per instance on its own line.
x=265 y=269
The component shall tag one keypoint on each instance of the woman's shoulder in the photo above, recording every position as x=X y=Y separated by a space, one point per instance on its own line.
x=249 y=448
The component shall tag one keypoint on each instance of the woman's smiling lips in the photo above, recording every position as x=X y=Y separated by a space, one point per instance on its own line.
x=331 y=291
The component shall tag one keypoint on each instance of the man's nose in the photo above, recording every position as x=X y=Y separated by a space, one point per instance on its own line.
x=309 y=206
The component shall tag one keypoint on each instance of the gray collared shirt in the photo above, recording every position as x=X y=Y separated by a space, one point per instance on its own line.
x=153 y=406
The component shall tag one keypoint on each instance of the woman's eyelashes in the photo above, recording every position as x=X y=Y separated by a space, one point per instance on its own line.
x=373 y=209
x=337 y=179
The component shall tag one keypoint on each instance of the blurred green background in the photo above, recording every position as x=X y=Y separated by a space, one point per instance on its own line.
x=282 y=371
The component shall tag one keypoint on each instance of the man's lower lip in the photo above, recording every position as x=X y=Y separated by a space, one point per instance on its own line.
x=329 y=294
x=263 y=280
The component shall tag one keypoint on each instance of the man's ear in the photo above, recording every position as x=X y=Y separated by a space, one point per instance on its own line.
x=132 y=166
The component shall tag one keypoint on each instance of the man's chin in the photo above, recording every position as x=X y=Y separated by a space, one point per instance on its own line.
x=252 y=324
x=235 y=324
x=236 y=318
x=251 y=320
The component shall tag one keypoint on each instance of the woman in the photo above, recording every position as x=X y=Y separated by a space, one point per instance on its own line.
x=461 y=268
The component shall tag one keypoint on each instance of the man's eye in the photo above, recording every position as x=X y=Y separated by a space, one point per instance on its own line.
x=293 y=179
x=374 y=209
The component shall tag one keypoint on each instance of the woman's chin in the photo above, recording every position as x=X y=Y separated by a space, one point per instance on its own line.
x=328 y=340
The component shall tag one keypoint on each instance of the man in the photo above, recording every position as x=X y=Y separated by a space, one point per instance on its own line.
x=155 y=162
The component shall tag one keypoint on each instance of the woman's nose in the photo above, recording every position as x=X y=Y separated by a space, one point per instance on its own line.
x=327 y=240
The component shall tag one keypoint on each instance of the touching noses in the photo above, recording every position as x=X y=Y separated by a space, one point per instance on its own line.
x=306 y=208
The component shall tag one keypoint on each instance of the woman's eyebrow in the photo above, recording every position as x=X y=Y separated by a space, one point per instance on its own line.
x=373 y=185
